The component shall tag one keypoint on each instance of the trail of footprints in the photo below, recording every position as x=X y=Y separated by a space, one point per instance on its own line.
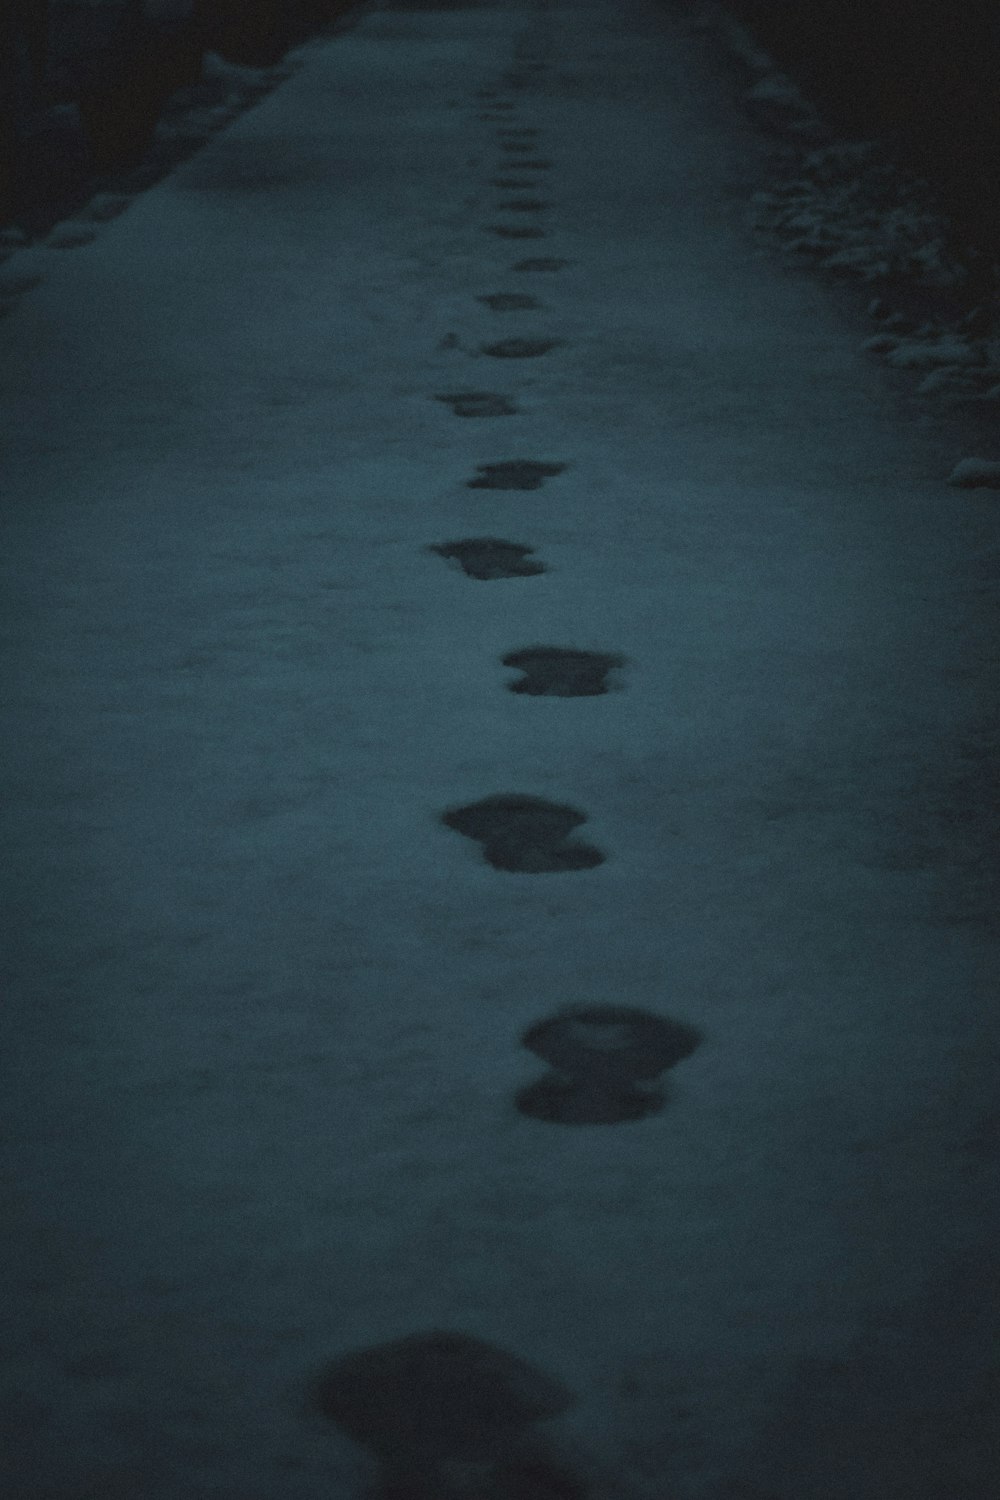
x=449 y=1416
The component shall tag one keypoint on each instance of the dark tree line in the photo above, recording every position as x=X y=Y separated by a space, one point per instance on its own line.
x=924 y=73
x=118 y=62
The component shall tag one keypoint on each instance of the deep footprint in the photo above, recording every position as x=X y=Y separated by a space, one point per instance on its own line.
x=525 y=835
x=517 y=474
x=605 y=1059
x=541 y=263
x=520 y=348
x=511 y=183
x=486 y=557
x=565 y=1101
x=611 y=1044
x=559 y=672
x=428 y=1400
x=509 y=301
x=534 y=1478
x=535 y=164
x=479 y=404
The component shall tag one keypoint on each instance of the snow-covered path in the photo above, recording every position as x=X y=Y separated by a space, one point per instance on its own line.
x=264 y=1009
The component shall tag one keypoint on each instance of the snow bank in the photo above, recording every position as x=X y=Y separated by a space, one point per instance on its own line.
x=975 y=473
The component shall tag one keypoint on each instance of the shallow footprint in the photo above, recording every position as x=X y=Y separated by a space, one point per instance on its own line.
x=517 y=232
x=479 y=404
x=541 y=263
x=560 y=672
x=509 y=301
x=520 y=348
x=522 y=206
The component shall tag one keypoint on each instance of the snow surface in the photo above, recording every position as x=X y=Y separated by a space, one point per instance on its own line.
x=264 y=1010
